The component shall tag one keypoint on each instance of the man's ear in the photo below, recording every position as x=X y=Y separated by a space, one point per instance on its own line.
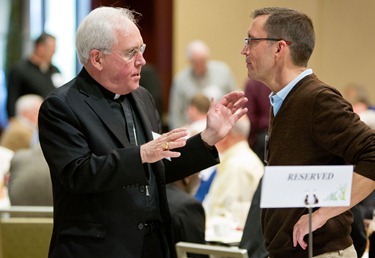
x=281 y=45
x=95 y=58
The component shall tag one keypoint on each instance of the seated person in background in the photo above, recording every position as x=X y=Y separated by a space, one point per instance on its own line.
x=3 y=100
x=187 y=213
x=236 y=179
x=6 y=156
x=150 y=79
x=252 y=237
x=197 y=114
x=29 y=179
x=22 y=129
x=258 y=111
x=358 y=97
x=212 y=78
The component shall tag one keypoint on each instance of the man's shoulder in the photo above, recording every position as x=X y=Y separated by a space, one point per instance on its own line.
x=65 y=88
x=54 y=69
x=219 y=65
x=241 y=155
x=65 y=94
x=312 y=82
x=178 y=197
x=310 y=87
x=16 y=125
x=22 y=66
x=183 y=75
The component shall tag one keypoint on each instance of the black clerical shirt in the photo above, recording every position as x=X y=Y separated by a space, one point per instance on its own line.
x=151 y=196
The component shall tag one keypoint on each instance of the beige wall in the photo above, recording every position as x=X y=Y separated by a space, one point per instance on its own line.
x=345 y=35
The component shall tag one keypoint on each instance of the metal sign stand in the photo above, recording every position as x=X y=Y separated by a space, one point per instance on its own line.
x=309 y=206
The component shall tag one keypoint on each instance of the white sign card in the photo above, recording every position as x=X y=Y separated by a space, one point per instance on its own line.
x=301 y=186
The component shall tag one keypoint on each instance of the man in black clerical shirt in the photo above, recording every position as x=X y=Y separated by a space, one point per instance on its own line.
x=108 y=187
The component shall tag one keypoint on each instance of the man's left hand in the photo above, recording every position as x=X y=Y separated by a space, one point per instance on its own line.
x=223 y=115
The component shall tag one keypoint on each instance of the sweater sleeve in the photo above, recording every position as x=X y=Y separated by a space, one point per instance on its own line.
x=340 y=131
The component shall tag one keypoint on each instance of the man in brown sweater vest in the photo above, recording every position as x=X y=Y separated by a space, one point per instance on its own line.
x=311 y=124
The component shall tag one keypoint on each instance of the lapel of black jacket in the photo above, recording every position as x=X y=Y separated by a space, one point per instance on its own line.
x=141 y=107
x=149 y=123
x=97 y=102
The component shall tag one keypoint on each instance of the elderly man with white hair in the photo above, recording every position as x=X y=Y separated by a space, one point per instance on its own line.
x=237 y=177
x=209 y=77
x=21 y=132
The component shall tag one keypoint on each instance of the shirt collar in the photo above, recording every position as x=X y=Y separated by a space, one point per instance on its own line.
x=110 y=95
x=278 y=98
x=285 y=91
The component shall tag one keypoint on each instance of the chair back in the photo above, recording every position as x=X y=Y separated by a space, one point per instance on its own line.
x=25 y=231
x=183 y=248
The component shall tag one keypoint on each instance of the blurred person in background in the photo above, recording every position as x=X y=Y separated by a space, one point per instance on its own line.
x=34 y=75
x=21 y=131
x=210 y=77
x=3 y=100
x=237 y=177
x=359 y=98
x=29 y=178
x=197 y=114
x=252 y=238
x=258 y=111
x=150 y=79
x=188 y=217
x=187 y=213
x=6 y=156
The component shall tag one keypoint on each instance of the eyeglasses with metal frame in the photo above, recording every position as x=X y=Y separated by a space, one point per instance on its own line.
x=249 y=39
x=130 y=54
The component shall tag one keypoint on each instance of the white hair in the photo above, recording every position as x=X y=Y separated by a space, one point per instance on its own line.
x=27 y=102
x=197 y=47
x=242 y=127
x=96 y=31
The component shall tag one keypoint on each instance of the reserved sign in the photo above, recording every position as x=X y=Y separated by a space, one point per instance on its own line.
x=302 y=186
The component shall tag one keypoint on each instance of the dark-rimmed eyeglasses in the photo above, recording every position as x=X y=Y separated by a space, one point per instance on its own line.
x=249 y=39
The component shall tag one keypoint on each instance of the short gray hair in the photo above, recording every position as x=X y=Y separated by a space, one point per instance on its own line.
x=27 y=102
x=197 y=46
x=96 y=31
x=242 y=127
x=293 y=26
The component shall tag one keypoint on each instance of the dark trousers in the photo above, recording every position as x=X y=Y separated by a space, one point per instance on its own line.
x=252 y=237
x=371 y=252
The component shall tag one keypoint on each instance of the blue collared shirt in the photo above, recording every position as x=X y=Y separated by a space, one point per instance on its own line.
x=278 y=98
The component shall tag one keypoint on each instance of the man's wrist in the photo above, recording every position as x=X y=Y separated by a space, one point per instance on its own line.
x=206 y=141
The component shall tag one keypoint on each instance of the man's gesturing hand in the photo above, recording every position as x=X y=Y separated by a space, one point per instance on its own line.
x=223 y=115
x=161 y=147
